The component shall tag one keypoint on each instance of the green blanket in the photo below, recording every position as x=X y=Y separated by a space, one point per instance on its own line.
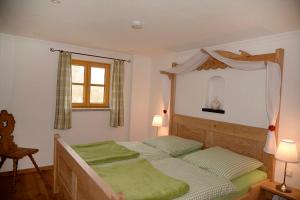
x=139 y=180
x=104 y=152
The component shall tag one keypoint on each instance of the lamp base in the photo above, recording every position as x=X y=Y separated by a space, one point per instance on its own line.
x=283 y=188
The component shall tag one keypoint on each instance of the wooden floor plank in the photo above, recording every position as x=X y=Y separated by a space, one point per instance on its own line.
x=30 y=186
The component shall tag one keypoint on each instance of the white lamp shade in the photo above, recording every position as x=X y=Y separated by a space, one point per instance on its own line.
x=157 y=120
x=287 y=151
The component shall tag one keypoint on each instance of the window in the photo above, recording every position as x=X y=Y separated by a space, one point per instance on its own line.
x=90 y=84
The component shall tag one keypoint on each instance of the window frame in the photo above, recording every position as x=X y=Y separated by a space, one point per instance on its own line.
x=87 y=84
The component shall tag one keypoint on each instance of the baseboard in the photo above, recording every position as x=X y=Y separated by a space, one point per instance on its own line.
x=28 y=170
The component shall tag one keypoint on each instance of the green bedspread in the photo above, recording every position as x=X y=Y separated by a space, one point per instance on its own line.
x=139 y=180
x=104 y=152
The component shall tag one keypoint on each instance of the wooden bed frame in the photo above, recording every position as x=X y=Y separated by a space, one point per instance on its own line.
x=74 y=179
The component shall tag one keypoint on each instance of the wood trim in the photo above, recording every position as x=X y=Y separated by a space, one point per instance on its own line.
x=172 y=78
x=75 y=179
x=213 y=63
x=27 y=171
x=280 y=60
x=87 y=77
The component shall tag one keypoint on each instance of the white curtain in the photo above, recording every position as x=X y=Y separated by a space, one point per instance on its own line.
x=189 y=65
x=273 y=85
x=166 y=84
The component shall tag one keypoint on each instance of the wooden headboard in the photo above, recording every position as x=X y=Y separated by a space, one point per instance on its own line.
x=245 y=140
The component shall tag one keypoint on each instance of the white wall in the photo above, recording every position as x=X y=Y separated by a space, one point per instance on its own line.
x=28 y=83
x=244 y=96
x=140 y=119
x=244 y=101
x=156 y=104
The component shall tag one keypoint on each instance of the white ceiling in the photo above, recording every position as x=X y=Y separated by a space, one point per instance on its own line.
x=169 y=25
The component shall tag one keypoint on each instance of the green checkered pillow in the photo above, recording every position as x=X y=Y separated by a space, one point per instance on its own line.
x=173 y=145
x=223 y=162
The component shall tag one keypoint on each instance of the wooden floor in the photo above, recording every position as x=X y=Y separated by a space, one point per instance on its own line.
x=30 y=186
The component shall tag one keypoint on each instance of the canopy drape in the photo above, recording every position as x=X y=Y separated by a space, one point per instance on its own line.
x=273 y=84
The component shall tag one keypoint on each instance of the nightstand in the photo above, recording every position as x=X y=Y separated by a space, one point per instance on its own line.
x=268 y=190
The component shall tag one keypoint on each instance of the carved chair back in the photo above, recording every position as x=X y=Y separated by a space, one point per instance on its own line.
x=7 y=125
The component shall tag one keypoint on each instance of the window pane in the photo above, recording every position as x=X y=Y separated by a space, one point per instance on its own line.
x=97 y=75
x=77 y=74
x=77 y=93
x=97 y=94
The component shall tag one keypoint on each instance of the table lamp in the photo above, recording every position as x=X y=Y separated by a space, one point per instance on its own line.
x=157 y=122
x=288 y=153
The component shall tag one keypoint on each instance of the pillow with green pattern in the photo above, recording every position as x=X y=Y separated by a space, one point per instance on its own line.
x=173 y=145
x=223 y=162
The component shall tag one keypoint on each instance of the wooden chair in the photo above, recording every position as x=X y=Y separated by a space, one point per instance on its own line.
x=8 y=148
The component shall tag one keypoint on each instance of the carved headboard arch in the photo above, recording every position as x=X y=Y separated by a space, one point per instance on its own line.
x=239 y=138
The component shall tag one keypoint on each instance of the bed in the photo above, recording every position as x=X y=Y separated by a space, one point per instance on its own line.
x=75 y=179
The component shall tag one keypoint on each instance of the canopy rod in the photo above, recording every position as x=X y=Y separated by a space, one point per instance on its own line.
x=83 y=54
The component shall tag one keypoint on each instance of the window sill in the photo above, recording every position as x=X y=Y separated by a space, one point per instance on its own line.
x=91 y=109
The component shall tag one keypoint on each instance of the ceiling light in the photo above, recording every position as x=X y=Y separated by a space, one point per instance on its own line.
x=136 y=24
x=55 y=1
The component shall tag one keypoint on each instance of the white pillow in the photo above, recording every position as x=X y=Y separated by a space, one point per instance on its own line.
x=173 y=145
